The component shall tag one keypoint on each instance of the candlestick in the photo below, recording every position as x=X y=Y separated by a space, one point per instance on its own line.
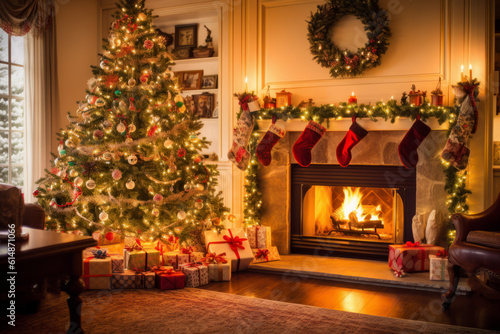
x=353 y=99
x=462 y=74
x=470 y=72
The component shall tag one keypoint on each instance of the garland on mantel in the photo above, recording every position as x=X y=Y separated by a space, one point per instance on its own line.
x=455 y=180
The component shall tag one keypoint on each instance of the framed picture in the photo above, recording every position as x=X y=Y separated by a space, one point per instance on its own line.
x=209 y=81
x=182 y=52
x=189 y=79
x=186 y=35
x=204 y=105
x=189 y=103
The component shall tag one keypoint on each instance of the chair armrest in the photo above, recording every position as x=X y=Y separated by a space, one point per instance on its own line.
x=34 y=216
x=479 y=222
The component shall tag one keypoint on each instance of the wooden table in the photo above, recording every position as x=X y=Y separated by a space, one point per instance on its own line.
x=48 y=253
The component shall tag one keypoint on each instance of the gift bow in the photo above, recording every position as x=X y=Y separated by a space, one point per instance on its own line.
x=234 y=242
x=262 y=253
x=136 y=246
x=244 y=102
x=159 y=270
x=194 y=264
x=442 y=253
x=213 y=257
x=99 y=254
x=187 y=250
x=411 y=244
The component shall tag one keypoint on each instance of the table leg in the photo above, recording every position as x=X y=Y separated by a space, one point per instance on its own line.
x=73 y=287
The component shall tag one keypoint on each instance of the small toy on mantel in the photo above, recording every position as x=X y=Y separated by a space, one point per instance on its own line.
x=437 y=95
x=417 y=97
x=404 y=99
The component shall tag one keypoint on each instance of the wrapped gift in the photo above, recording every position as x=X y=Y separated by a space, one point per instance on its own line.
x=137 y=257
x=233 y=242
x=183 y=256
x=166 y=278
x=411 y=257
x=88 y=252
x=219 y=267
x=97 y=272
x=106 y=238
x=129 y=279
x=259 y=236
x=172 y=244
x=265 y=255
x=196 y=274
x=117 y=265
x=148 y=279
x=438 y=266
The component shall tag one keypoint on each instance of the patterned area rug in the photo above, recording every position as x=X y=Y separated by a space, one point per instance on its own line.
x=200 y=311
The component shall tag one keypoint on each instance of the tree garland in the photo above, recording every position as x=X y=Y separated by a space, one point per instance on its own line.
x=388 y=111
x=345 y=62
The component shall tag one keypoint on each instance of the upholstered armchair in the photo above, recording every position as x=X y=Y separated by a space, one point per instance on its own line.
x=476 y=247
x=13 y=210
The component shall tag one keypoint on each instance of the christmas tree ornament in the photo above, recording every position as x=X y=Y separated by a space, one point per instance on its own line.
x=148 y=44
x=60 y=146
x=116 y=174
x=104 y=65
x=53 y=202
x=69 y=143
x=130 y=184
x=307 y=140
x=62 y=153
x=197 y=159
x=131 y=82
x=155 y=212
x=117 y=42
x=90 y=184
x=92 y=99
x=131 y=106
x=122 y=105
x=272 y=136
x=193 y=138
x=129 y=140
x=103 y=216
x=141 y=17
x=57 y=161
x=238 y=154
x=100 y=102
x=181 y=152
x=98 y=134
x=109 y=236
x=187 y=186
x=144 y=78
x=71 y=163
x=132 y=159
x=73 y=173
x=36 y=192
x=351 y=139
x=118 y=92
x=407 y=149
x=121 y=127
x=200 y=187
x=172 y=169
x=78 y=182
x=158 y=198
x=107 y=125
x=168 y=143
x=181 y=215
x=198 y=204
x=107 y=156
x=132 y=128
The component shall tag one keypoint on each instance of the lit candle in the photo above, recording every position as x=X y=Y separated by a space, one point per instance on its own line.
x=470 y=72
x=353 y=99
x=462 y=74
x=246 y=84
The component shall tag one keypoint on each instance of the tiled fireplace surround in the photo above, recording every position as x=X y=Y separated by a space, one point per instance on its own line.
x=379 y=147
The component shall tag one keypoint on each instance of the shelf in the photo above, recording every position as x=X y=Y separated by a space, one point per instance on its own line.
x=199 y=91
x=196 y=60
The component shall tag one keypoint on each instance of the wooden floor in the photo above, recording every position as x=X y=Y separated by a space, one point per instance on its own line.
x=469 y=311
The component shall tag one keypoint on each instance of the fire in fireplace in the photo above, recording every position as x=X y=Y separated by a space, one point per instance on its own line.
x=354 y=211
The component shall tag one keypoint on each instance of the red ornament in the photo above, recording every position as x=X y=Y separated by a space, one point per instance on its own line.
x=144 y=78
x=36 y=192
x=111 y=79
x=152 y=130
x=197 y=159
x=109 y=236
x=181 y=152
x=148 y=44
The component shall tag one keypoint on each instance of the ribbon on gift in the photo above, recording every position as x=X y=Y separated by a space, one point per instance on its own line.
x=234 y=244
x=257 y=236
x=214 y=258
x=412 y=244
x=161 y=250
x=442 y=253
x=187 y=250
x=262 y=253
x=420 y=253
x=244 y=102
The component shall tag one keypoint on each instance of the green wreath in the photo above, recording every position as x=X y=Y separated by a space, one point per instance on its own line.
x=345 y=62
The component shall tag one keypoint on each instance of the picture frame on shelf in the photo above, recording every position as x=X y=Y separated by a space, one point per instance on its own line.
x=204 y=105
x=181 y=52
x=189 y=103
x=189 y=80
x=209 y=81
x=186 y=35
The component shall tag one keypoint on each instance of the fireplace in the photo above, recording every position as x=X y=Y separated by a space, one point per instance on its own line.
x=355 y=211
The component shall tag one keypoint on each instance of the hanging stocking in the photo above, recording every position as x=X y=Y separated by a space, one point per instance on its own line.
x=456 y=151
x=353 y=136
x=238 y=153
x=272 y=136
x=408 y=147
x=303 y=146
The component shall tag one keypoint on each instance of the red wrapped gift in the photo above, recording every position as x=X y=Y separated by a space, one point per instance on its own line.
x=411 y=257
x=166 y=278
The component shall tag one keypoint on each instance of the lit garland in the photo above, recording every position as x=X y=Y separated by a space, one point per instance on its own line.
x=455 y=180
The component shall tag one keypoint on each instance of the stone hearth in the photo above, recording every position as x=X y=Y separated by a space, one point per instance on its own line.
x=377 y=148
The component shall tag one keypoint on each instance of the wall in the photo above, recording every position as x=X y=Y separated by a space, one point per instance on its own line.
x=76 y=24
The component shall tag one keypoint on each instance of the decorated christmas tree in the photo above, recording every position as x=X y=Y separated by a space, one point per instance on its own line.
x=130 y=161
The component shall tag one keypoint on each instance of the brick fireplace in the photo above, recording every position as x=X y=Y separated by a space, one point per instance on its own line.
x=378 y=149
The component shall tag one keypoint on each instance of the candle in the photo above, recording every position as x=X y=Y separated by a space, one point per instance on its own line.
x=470 y=72
x=353 y=99
x=462 y=74
x=246 y=84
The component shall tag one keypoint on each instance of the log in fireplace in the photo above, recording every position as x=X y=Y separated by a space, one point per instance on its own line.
x=356 y=211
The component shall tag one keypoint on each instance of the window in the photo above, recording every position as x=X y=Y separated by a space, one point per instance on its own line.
x=12 y=133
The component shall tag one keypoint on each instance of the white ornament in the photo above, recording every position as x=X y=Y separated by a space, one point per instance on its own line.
x=78 y=182
x=130 y=184
x=168 y=143
x=181 y=215
x=121 y=127
x=132 y=128
x=198 y=205
x=103 y=216
x=155 y=212
x=69 y=143
x=129 y=140
x=90 y=184
x=107 y=156
x=200 y=186
x=131 y=82
x=142 y=17
x=132 y=160
x=62 y=174
x=117 y=42
x=73 y=173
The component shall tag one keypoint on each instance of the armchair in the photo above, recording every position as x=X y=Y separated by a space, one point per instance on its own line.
x=14 y=210
x=476 y=246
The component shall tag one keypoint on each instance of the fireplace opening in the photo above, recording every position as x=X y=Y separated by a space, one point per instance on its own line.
x=356 y=211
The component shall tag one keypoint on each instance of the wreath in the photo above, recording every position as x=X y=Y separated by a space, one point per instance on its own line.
x=345 y=62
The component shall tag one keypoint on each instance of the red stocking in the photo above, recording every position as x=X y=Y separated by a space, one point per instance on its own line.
x=408 y=147
x=353 y=136
x=303 y=146
x=272 y=136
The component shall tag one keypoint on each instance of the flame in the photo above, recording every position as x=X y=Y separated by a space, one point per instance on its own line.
x=352 y=203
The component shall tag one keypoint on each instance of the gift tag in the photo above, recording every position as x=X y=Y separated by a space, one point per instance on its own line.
x=253 y=106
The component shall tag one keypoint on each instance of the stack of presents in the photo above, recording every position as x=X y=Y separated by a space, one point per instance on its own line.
x=130 y=264
x=416 y=257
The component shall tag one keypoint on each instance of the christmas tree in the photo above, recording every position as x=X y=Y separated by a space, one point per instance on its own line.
x=129 y=160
